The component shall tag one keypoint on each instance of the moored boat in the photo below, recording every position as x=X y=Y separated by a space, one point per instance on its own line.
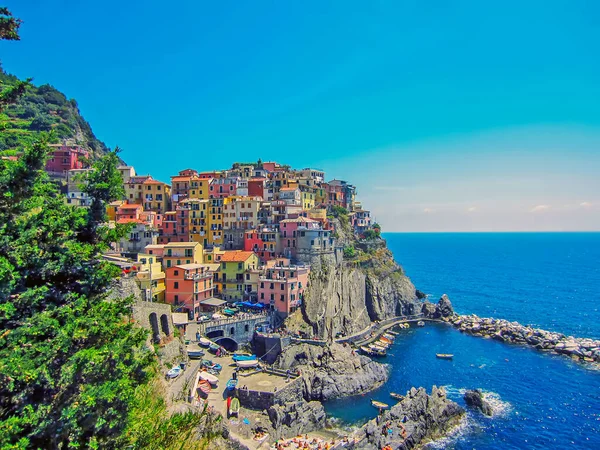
x=243 y=357
x=396 y=396
x=386 y=340
x=204 y=386
x=195 y=354
x=379 y=405
x=389 y=336
x=420 y=323
x=212 y=379
x=444 y=355
x=214 y=347
x=174 y=372
x=235 y=406
x=231 y=384
x=247 y=363
x=204 y=342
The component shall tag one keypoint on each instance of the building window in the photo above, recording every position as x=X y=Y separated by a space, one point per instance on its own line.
x=168 y=263
x=282 y=286
x=176 y=272
x=246 y=328
x=262 y=285
x=272 y=296
x=282 y=298
x=176 y=285
x=262 y=295
x=176 y=299
x=232 y=331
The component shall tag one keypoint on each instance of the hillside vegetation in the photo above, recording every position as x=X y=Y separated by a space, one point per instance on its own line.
x=42 y=109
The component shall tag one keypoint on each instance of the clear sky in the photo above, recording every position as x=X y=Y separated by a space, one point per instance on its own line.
x=447 y=115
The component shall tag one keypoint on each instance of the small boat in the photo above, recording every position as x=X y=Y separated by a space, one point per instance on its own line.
x=247 y=363
x=243 y=357
x=195 y=354
x=444 y=355
x=235 y=406
x=393 y=333
x=203 y=342
x=385 y=340
x=204 y=386
x=389 y=337
x=396 y=396
x=214 y=347
x=379 y=405
x=229 y=312
x=212 y=379
x=231 y=384
x=174 y=372
x=420 y=323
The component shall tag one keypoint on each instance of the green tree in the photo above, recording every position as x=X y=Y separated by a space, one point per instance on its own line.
x=70 y=360
x=9 y=25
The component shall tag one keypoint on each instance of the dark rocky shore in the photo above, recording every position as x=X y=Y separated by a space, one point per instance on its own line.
x=417 y=419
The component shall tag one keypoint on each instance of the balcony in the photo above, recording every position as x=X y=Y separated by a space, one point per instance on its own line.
x=196 y=276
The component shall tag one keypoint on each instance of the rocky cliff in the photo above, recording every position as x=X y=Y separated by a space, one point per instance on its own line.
x=416 y=420
x=345 y=295
x=332 y=371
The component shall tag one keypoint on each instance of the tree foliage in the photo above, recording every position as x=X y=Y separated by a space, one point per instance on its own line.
x=70 y=360
x=9 y=25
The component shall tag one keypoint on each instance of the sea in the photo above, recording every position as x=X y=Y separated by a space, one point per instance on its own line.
x=548 y=280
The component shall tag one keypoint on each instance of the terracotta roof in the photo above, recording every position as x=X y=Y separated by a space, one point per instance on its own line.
x=180 y=244
x=153 y=182
x=288 y=189
x=178 y=178
x=236 y=256
x=130 y=206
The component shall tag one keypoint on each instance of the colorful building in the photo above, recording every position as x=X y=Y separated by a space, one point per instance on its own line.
x=223 y=187
x=282 y=288
x=156 y=196
x=290 y=196
x=215 y=222
x=256 y=187
x=263 y=241
x=64 y=157
x=150 y=277
x=177 y=253
x=289 y=233
x=235 y=277
x=187 y=285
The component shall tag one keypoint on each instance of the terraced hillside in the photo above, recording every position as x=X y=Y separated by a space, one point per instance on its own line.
x=43 y=108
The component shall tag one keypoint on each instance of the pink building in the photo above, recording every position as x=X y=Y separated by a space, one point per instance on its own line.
x=222 y=187
x=282 y=288
x=288 y=230
x=263 y=241
x=187 y=285
x=64 y=158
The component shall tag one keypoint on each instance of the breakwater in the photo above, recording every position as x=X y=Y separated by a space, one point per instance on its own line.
x=581 y=349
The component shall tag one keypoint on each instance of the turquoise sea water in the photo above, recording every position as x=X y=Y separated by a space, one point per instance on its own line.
x=550 y=280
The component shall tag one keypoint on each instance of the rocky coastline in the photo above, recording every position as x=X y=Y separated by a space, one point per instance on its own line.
x=583 y=350
x=417 y=419
x=333 y=370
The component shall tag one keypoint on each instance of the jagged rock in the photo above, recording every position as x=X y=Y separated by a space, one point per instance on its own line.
x=429 y=310
x=296 y=418
x=444 y=307
x=420 y=294
x=415 y=420
x=476 y=399
x=332 y=371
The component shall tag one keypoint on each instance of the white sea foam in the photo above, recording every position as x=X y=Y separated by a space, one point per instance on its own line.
x=500 y=408
x=464 y=427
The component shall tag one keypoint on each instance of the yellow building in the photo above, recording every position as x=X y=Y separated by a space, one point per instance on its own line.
x=308 y=200
x=241 y=213
x=150 y=278
x=213 y=255
x=199 y=188
x=156 y=196
x=177 y=253
x=198 y=219
x=235 y=276
x=111 y=210
x=215 y=222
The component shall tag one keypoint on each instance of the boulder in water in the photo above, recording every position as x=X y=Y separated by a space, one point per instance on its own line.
x=476 y=399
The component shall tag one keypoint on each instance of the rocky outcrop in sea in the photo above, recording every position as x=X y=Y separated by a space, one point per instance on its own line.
x=332 y=371
x=475 y=399
x=414 y=421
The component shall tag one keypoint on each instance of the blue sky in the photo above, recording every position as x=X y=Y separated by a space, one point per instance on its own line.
x=447 y=115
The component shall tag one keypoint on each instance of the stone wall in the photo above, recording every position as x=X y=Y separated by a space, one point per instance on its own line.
x=261 y=400
x=155 y=317
x=243 y=330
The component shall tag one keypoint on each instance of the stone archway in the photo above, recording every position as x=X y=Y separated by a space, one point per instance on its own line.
x=227 y=343
x=164 y=325
x=153 y=318
x=215 y=334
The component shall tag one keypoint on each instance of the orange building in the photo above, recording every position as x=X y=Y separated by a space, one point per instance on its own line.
x=187 y=285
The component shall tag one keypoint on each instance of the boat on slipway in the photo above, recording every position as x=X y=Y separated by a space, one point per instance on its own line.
x=243 y=357
x=212 y=379
x=203 y=342
x=246 y=364
x=231 y=384
x=234 y=407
